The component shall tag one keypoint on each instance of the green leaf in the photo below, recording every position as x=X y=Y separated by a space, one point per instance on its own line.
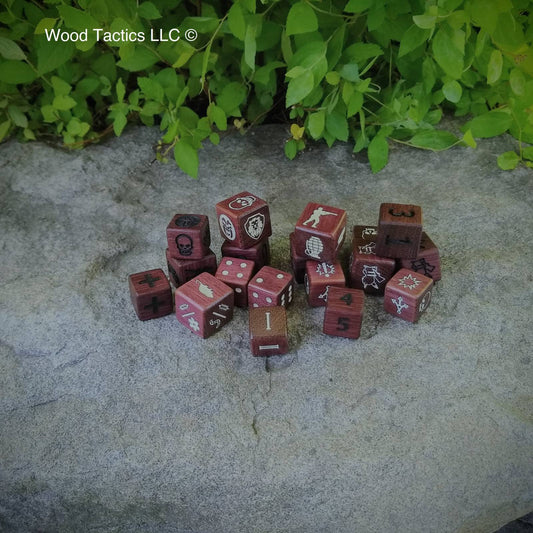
x=433 y=140
x=426 y=21
x=121 y=90
x=332 y=77
x=357 y=6
x=489 y=124
x=44 y=24
x=151 y=89
x=14 y=72
x=51 y=54
x=412 y=38
x=527 y=153
x=232 y=96
x=61 y=87
x=517 y=81
x=76 y=19
x=186 y=157
x=494 y=69
x=250 y=45
x=316 y=123
x=214 y=138
x=378 y=153
x=236 y=22
x=216 y=114
x=291 y=148
x=63 y=103
x=337 y=125
x=17 y=116
x=360 y=52
x=468 y=139
x=355 y=103
x=447 y=55
x=148 y=11
x=141 y=59
x=4 y=129
x=508 y=160
x=301 y=19
x=452 y=91
x=350 y=72
x=299 y=88
x=10 y=49
x=119 y=123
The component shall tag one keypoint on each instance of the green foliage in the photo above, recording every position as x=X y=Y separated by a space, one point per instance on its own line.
x=370 y=72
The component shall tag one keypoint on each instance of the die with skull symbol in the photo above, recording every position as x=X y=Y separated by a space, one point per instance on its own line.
x=188 y=236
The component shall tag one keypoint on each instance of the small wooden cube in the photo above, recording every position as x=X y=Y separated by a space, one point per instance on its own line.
x=268 y=331
x=399 y=231
x=344 y=312
x=368 y=271
x=297 y=261
x=259 y=252
x=270 y=287
x=408 y=295
x=204 y=304
x=319 y=232
x=244 y=219
x=319 y=278
x=188 y=236
x=427 y=262
x=236 y=273
x=150 y=294
x=182 y=270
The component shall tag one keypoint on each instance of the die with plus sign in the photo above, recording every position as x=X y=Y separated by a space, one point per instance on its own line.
x=236 y=273
x=204 y=304
x=243 y=219
x=319 y=278
x=268 y=330
x=408 y=295
x=270 y=287
x=319 y=232
x=188 y=236
x=150 y=294
x=344 y=312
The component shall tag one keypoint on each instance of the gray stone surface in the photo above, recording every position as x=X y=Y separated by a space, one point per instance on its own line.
x=112 y=424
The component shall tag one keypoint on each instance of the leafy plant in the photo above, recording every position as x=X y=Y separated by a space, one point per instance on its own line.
x=368 y=72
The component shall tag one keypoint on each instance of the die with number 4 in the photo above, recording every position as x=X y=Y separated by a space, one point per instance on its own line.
x=344 y=312
x=270 y=287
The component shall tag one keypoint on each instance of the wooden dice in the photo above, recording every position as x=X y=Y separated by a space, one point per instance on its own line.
x=268 y=330
x=399 y=231
x=243 y=219
x=319 y=232
x=408 y=295
x=236 y=273
x=204 y=304
x=427 y=262
x=297 y=261
x=319 y=278
x=259 y=252
x=368 y=271
x=182 y=270
x=344 y=312
x=188 y=236
x=150 y=294
x=270 y=287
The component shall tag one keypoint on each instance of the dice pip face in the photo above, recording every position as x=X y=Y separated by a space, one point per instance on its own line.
x=243 y=219
x=344 y=312
x=188 y=236
x=268 y=331
x=399 y=231
x=270 y=287
x=182 y=270
x=319 y=232
x=236 y=273
x=427 y=262
x=408 y=295
x=368 y=271
x=319 y=278
x=150 y=294
x=204 y=304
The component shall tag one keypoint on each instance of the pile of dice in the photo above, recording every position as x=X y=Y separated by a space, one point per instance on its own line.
x=395 y=259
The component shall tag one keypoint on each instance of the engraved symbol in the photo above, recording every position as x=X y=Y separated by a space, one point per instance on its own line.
x=193 y=324
x=215 y=322
x=325 y=269
x=314 y=247
x=367 y=249
x=369 y=231
x=425 y=302
x=183 y=307
x=254 y=225
x=184 y=243
x=400 y=305
x=341 y=236
x=409 y=282
x=324 y=295
x=315 y=216
x=242 y=202
x=148 y=279
x=343 y=323
x=204 y=289
x=269 y=347
x=223 y=307
x=371 y=277
x=154 y=304
x=267 y=316
x=402 y=214
x=187 y=221
x=227 y=227
x=422 y=264
x=347 y=298
x=389 y=240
